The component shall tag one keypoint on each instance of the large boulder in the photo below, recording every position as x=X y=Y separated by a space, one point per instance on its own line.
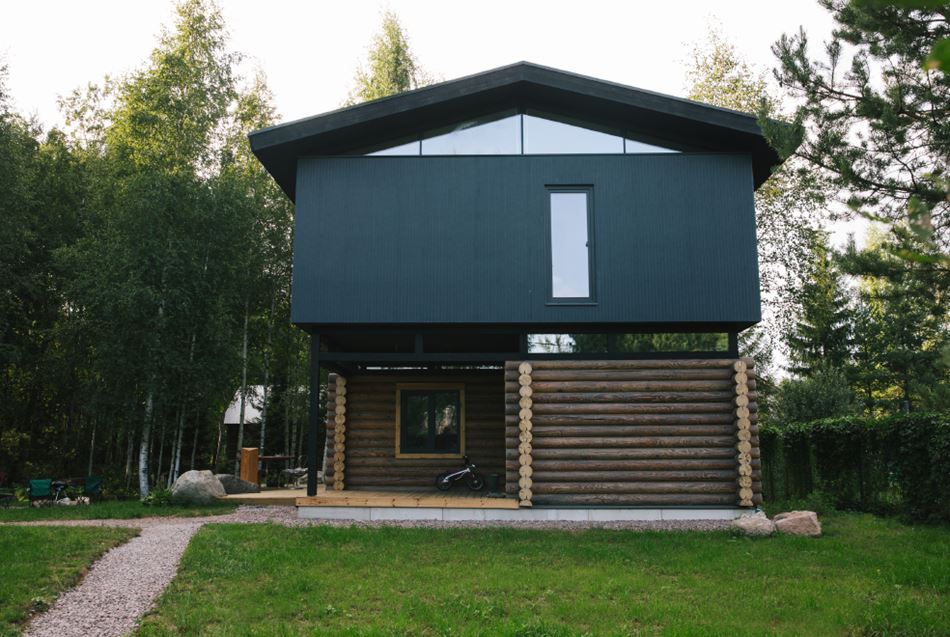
x=197 y=487
x=755 y=524
x=233 y=484
x=798 y=523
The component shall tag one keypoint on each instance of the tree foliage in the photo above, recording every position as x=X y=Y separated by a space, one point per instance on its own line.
x=873 y=117
x=789 y=206
x=390 y=67
x=825 y=393
x=821 y=333
x=169 y=233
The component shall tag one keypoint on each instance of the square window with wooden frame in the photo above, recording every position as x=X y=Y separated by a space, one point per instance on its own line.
x=430 y=420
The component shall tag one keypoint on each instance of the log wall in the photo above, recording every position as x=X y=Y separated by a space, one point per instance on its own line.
x=370 y=422
x=634 y=433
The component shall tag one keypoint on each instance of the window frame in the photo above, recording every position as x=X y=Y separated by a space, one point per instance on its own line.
x=432 y=387
x=591 y=298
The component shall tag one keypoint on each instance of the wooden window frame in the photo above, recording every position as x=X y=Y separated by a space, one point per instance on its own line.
x=460 y=388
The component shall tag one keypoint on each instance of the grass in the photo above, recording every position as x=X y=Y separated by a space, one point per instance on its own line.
x=867 y=576
x=40 y=562
x=125 y=509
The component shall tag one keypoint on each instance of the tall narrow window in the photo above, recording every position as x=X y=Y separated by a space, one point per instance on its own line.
x=570 y=244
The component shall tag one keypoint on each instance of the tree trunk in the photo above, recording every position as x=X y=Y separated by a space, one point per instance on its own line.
x=92 y=447
x=288 y=441
x=240 y=435
x=161 y=452
x=217 y=447
x=175 y=458
x=144 y=445
x=194 y=442
x=129 y=448
x=267 y=344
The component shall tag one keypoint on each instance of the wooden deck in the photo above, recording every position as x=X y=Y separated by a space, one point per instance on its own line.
x=269 y=497
x=416 y=498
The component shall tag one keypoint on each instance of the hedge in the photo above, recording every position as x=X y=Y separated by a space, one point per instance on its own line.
x=896 y=464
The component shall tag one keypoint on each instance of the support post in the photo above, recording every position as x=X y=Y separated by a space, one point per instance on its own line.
x=734 y=344
x=743 y=434
x=314 y=417
x=525 y=403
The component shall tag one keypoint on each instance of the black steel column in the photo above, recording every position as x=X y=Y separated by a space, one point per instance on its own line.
x=734 y=344
x=314 y=420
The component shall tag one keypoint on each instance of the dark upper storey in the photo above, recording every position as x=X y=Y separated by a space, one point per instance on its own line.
x=423 y=240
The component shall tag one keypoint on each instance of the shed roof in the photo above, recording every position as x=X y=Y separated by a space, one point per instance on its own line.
x=522 y=85
x=252 y=406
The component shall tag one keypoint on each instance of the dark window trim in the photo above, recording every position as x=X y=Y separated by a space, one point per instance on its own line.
x=429 y=388
x=591 y=298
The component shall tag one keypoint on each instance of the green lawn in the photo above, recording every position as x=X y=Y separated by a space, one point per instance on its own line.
x=38 y=563
x=109 y=509
x=867 y=576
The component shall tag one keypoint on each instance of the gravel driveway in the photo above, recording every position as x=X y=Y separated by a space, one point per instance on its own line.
x=124 y=584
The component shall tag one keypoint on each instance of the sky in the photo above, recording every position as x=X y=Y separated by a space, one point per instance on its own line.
x=310 y=50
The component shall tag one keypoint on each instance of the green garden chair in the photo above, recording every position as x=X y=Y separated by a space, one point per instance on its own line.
x=41 y=490
x=92 y=487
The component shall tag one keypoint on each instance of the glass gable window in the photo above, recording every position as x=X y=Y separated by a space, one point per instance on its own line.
x=633 y=147
x=498 y=137
x=570 y=245
x=431 y=421
x=548 y=137
x=519 y=134
x=411 y=148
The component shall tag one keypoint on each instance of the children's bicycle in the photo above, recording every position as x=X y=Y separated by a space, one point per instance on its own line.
x=468 y=472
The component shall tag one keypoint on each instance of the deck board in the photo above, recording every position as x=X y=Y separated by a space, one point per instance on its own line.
x=409 y=499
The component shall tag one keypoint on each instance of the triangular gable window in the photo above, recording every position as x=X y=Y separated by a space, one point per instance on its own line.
x=521 y=134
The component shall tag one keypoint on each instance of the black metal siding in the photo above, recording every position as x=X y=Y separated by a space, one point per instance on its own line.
x=464 y=239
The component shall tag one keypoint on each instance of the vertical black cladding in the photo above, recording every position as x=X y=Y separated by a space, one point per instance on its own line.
x=415 y=240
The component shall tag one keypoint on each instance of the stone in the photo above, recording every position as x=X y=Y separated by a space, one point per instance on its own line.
x=798 y=523
x=754 y=524
x=197 y=487
x=234 y=484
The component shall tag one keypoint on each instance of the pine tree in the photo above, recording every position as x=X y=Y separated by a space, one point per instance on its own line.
x=821 y=335
x=872 y=116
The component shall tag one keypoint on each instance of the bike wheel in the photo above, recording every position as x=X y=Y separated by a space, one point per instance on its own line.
x=443 y=483
x=475 y=483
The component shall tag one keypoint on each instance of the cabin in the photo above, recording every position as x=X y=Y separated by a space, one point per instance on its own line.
x=544 y=272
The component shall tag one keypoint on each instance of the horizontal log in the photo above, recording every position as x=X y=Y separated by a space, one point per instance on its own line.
x=654 y=363
x=542 y=408
x=633 y=499
x=634 y=487
x=594 y=466
x=634 y=442
x=583 y=398
x=627 y=419
x=558 y=431
x=622 y=375
x=656 y=453
x=595 y=386
x=720 y=475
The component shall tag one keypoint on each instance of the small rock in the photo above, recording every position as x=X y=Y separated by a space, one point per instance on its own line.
x=798 y=523
x=754 y=524
x=234 y=484
x=197 y=487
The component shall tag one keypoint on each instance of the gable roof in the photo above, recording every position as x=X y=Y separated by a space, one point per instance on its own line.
x=523 y=85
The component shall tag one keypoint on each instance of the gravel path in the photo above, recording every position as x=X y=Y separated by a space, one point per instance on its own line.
x=120 y=587
x=124 y=584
